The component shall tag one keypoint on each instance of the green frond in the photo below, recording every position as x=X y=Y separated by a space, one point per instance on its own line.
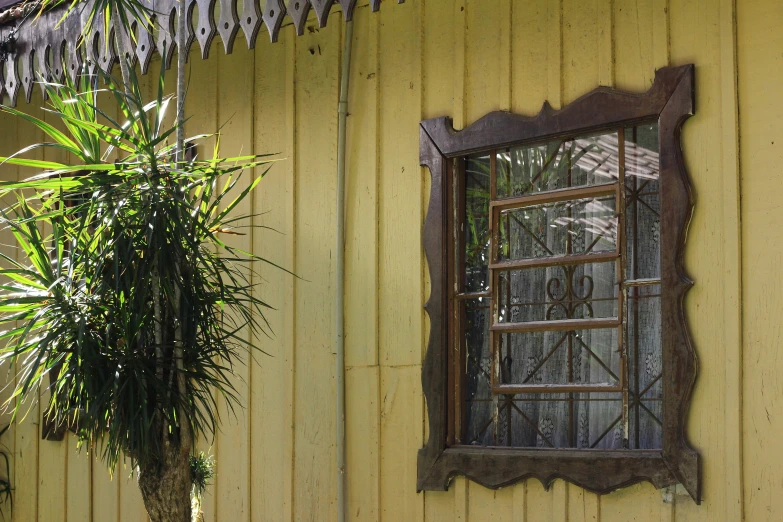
x=105 y=245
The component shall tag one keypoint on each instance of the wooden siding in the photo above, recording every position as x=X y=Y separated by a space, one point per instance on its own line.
x=422 y=59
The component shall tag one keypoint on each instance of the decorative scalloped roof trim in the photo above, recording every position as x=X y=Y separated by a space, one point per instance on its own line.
x=44 y=47
x=15 y=12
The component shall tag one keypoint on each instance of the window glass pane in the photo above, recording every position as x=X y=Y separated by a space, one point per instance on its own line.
x=579 y=226
x=557 y=292
x=478 y=394
x=549 y=420
x=476 y=330
x=476 y=224
x=560 y=357
x=576 y=291
x=558 y=164
x=643 y=203
x=645 y=367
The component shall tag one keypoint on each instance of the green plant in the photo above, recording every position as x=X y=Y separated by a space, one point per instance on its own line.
x=127 y=295
x=202 y=471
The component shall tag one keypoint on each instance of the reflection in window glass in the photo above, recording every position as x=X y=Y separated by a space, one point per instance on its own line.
x=556 y=292
x=552 y=293
x=579 y=162
x=476 y=224
x=543 y=357
x=580 y=226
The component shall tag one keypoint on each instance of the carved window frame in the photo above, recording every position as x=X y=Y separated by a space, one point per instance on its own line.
x=670 y=100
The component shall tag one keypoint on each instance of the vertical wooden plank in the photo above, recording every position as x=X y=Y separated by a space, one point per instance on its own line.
x=484 y=63
x=317 y=79
x=491 y=504
x=291 y=200
x=535 y=55
x=583 y=506
x=661 y=33
x=605 y=43
x=105 y=491
x=78 y=495
x=131 y=504
x=401 y=415
x=439 y=505
x=520 y=502
x=487 y=72
x=539 y=505
x=361 y=225
x=560 y=501
x=51 y=454
x=201 y=111
x=461 y=487
x=272 y=378
x=733 y=437
x=554 y=51
x=28 y=429
x=235 y=119
x=400 y=252
x=636 y=49
x=537 y=72
x=640 y=502
x=441 y=46
x=9 y=144
x=401 y=262
x=587 y=47
x=363 y=436
x=696 y=38
x=361 y=274
x=636 y=44
x=506 y=35
x=759 y=60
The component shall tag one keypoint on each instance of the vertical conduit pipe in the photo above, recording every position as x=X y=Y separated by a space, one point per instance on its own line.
x=342 y=114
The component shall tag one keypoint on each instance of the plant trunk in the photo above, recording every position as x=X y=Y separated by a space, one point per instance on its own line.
x=165 y=487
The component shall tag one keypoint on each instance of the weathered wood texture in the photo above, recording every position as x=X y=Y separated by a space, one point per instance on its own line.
x=760 y=61
x=53 y=46
x=460 y=58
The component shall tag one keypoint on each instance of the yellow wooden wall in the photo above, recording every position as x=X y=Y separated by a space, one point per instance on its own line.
x=462 y=58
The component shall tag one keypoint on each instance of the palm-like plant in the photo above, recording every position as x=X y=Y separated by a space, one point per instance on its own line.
x=127 y=297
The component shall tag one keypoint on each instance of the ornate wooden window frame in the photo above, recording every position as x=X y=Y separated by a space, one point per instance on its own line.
x=671 y=101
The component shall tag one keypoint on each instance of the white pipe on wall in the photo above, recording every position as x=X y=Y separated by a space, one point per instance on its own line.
x=342 y=114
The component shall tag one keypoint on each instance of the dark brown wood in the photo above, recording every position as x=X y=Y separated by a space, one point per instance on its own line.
x=454 y=307
x=433 y=370
x=670 y=101
x=680 y=364
x=599 y=471
x=603 y=108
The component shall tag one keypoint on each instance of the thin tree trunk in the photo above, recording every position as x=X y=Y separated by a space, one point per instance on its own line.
x=165 y=486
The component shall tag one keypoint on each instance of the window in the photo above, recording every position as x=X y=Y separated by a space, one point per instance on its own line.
x=559 y=346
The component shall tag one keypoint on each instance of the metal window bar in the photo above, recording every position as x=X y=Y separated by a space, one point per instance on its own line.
x=496 y=206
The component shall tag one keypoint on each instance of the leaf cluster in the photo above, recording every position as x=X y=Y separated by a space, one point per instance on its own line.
x=123 y=284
